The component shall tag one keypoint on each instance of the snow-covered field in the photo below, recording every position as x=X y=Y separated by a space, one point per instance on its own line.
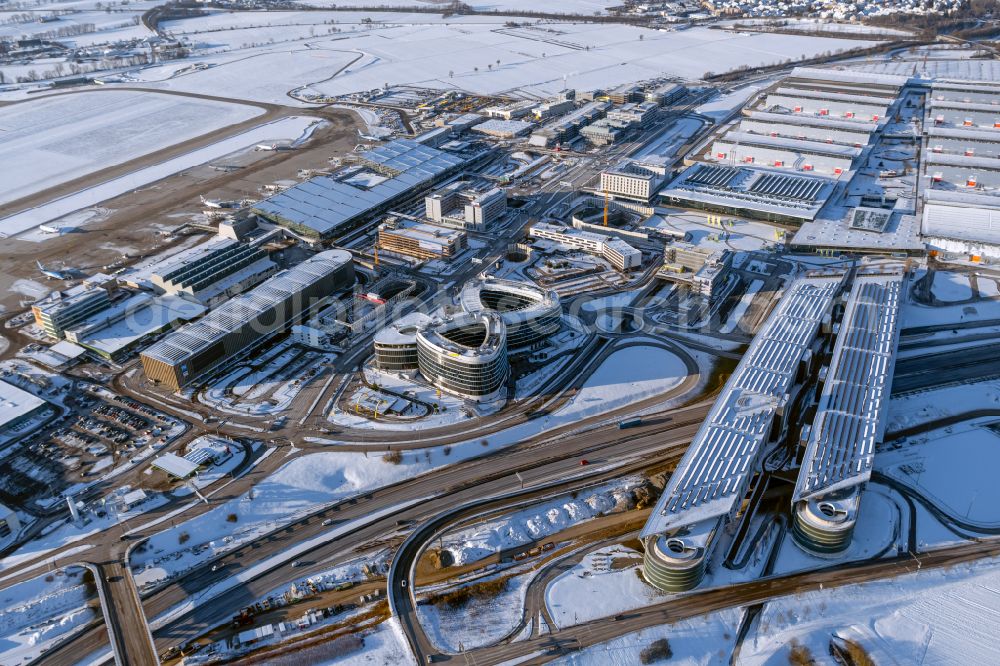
x=935 y=461
x=51 y=140
x=707 y=640
x=478 y=623
x=569 y=597
x=40 y=611
x=950 y=287
x=536 y=59
x=941 y=616
x=280 y=130
x=384 y=646
x=915 y=409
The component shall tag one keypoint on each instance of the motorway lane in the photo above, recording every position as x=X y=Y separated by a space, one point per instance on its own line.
x=124 y=613
x=466 y=480
x=918 y=373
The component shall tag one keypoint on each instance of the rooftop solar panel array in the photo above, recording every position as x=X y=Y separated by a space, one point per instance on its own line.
x=787 y=187
x=714 y=473
x=850 y=418
x=713 y=176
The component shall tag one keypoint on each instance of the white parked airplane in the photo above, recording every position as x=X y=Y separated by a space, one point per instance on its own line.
x=53 y=274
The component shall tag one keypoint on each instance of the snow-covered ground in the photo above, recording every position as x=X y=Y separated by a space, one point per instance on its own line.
x=293 y=50
x=51 y=140
x=740 y=234
x=707 y=640
x=914 y=314
x=940 y=616
x=41 y=611
x=569 y=597
x=479 y=622
x=384 y=646
x=279 y=130
x=537 y=522
x=917 y=408
x=725 y=105
x=934 y=462
x=736 y=315
x=950 y=287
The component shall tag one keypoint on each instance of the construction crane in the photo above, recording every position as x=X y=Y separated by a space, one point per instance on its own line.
x=606 y=200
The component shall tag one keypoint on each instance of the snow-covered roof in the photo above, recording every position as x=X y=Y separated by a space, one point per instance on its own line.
x=833 y=96
x=16 y=403
x=850 y=418
x=716 y=469
x=174 y=465
x=822 y=122
x=802 y=146
x=965 y=216
x=966 y=161
x=849 y=76
x=973 y=134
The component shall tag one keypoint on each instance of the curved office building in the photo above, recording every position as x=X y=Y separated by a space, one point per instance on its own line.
x=530 y=314
x=396 y=344
x=465 y=355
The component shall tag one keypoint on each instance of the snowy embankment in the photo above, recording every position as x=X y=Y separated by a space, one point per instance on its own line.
x=540 y=521
x=940 y=616
x=41 y=611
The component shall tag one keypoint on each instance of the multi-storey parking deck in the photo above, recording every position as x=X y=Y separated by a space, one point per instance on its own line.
x=850 y=419
x=753 y=409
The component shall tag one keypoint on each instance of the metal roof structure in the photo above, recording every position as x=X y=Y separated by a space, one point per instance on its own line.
x=849 y=76
x=801 y=146
x=833 y=96
x=964 y=216
x=779 y=192
x=325 y=203
x=15 y=403
x=850 y=418
x=239 y=311
x=712 y=478
x=820 y=122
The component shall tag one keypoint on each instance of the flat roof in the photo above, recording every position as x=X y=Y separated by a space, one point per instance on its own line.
x=422 y=232
x=966 y=133
x=773 y=191
x=901 y=233
x=16 y=402
x=850 y=417
x=174 y=465
x=790 y=144
x=849 y=76
x=962 y=106
x=325 y=203
x=971 y=162
x=151 y=317
x=832 y=96
x=965 y=216
x=713 y=475
x=821 y=122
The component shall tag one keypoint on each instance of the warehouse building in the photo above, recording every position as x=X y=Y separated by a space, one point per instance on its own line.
x=620 y=254
x=460 y=206
x=243 y=322
x=799 y=155
x=946 y=113
x=754 y=409
x=962 y=222
x=753 y=192
x=465 y=355
x=510 y=111
x=18 y=409
x=810 y=128
x=530 y=314
x=969 y=142
x=418 y=240
x=821 y=106
x=850 y=417
x=846 y=80
x=325 y=206
x=634 y=181
x=973 y=92
x=973 y=173
x=212 y=272
x=65 y=309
